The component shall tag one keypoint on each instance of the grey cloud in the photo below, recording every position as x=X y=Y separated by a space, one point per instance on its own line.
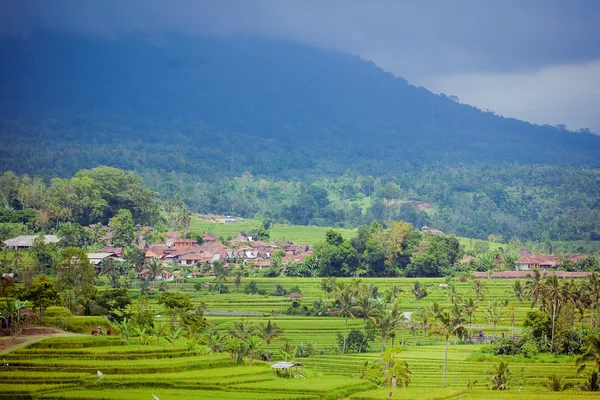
x=425 y=37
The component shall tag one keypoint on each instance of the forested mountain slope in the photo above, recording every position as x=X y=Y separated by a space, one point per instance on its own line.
x=190 y=114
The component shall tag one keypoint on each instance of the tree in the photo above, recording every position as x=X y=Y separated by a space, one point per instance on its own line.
x=495 y=312
x=533 y=286
x=238 y=273
x=42 y=294
x=592 y=353
x=518 y=291
x=501 y=377
x=512 y=310
x=419 y=291
x=445 y=326
x=557 y=384
x=268 y=333
x=109 y=268
x=11 y=314
x=74 y=275
x=72 y=234
x=389 y=371
x=479 y=287
x=471 y=307
x=176 y=305
x=345 y=303
x=155 y=267
x=387 y=324
x=253 y=343
x=328 y=285
x=220 y=272
x=122 y=229
x=44 y=253
x=365 y=308
x=159 y=330
x=135 y=257
x=184 y=218
x=214 y=341
x=554 y=295
x=115 y=302
x=242 y=329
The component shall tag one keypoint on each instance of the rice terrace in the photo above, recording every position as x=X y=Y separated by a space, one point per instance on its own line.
x=299 y=200
x=215 y=332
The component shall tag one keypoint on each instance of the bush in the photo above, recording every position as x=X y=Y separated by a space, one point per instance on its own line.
x=87 y=324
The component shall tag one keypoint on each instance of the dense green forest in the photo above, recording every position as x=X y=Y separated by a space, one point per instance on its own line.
x=274 y=129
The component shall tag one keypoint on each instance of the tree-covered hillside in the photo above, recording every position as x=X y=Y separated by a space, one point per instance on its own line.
x=329 y=138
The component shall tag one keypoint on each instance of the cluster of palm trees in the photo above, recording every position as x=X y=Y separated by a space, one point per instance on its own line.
x=550 y=294
x=177 y=213
x=243 y=339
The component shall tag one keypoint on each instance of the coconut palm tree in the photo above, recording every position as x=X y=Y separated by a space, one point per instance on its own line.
x=184 y=218
x=518 y=290
x=533 y=287
x=471 y=307
x=242 y=329
x=512 y=310
x=238 y=274
x=445 y=327
x=479 y=287
x=345 y=301
x=591 y=354
x=387 y=324
x=392 y=293
x=268 y=333
x=155 y=268
x=365 y=308
x=554 y=294
x=495 y=312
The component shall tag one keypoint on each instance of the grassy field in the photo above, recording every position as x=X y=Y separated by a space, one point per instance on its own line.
x=66 y=367
x=294 y=233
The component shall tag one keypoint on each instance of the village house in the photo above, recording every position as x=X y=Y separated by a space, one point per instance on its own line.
x=24 y=242
x=427 y=229
x=97 y=258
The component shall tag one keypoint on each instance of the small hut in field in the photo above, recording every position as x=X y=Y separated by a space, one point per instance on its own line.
x=284 y=367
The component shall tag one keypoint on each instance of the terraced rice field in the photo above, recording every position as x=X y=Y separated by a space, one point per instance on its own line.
x=66 y=367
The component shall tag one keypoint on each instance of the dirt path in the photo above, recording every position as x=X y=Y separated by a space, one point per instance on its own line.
x=11 y=343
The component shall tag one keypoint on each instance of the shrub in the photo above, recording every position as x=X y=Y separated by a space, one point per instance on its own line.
x=87 y=324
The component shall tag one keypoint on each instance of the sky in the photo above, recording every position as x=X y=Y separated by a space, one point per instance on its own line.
x=537 y=60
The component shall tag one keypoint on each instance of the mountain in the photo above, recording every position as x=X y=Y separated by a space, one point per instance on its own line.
x=309 y=109
x=191 y=114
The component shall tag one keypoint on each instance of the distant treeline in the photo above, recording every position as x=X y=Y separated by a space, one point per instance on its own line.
x=527 y=202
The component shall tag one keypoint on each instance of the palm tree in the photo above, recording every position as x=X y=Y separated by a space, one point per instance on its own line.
x=110 y=269
x=345 y=300
x=184 y=218
x=512 y=310
x=591 y=354
x=518 y=290
x=445 y=327
x=593 y=286
x=238 y=274
x=554 y=295
x=155 y=268
x=387 y=324
x=419 y=291
x=365 y=308
x=392 y=293
x=220 y=272
x=253 y=343
x=471 y=307
x=533 y=286
x=242 y=330
x=557 y=384
x=480 y=288
x=452 y=293
x=501 y=377
x=495 y=312
x=457 y=311
x=268 y=333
